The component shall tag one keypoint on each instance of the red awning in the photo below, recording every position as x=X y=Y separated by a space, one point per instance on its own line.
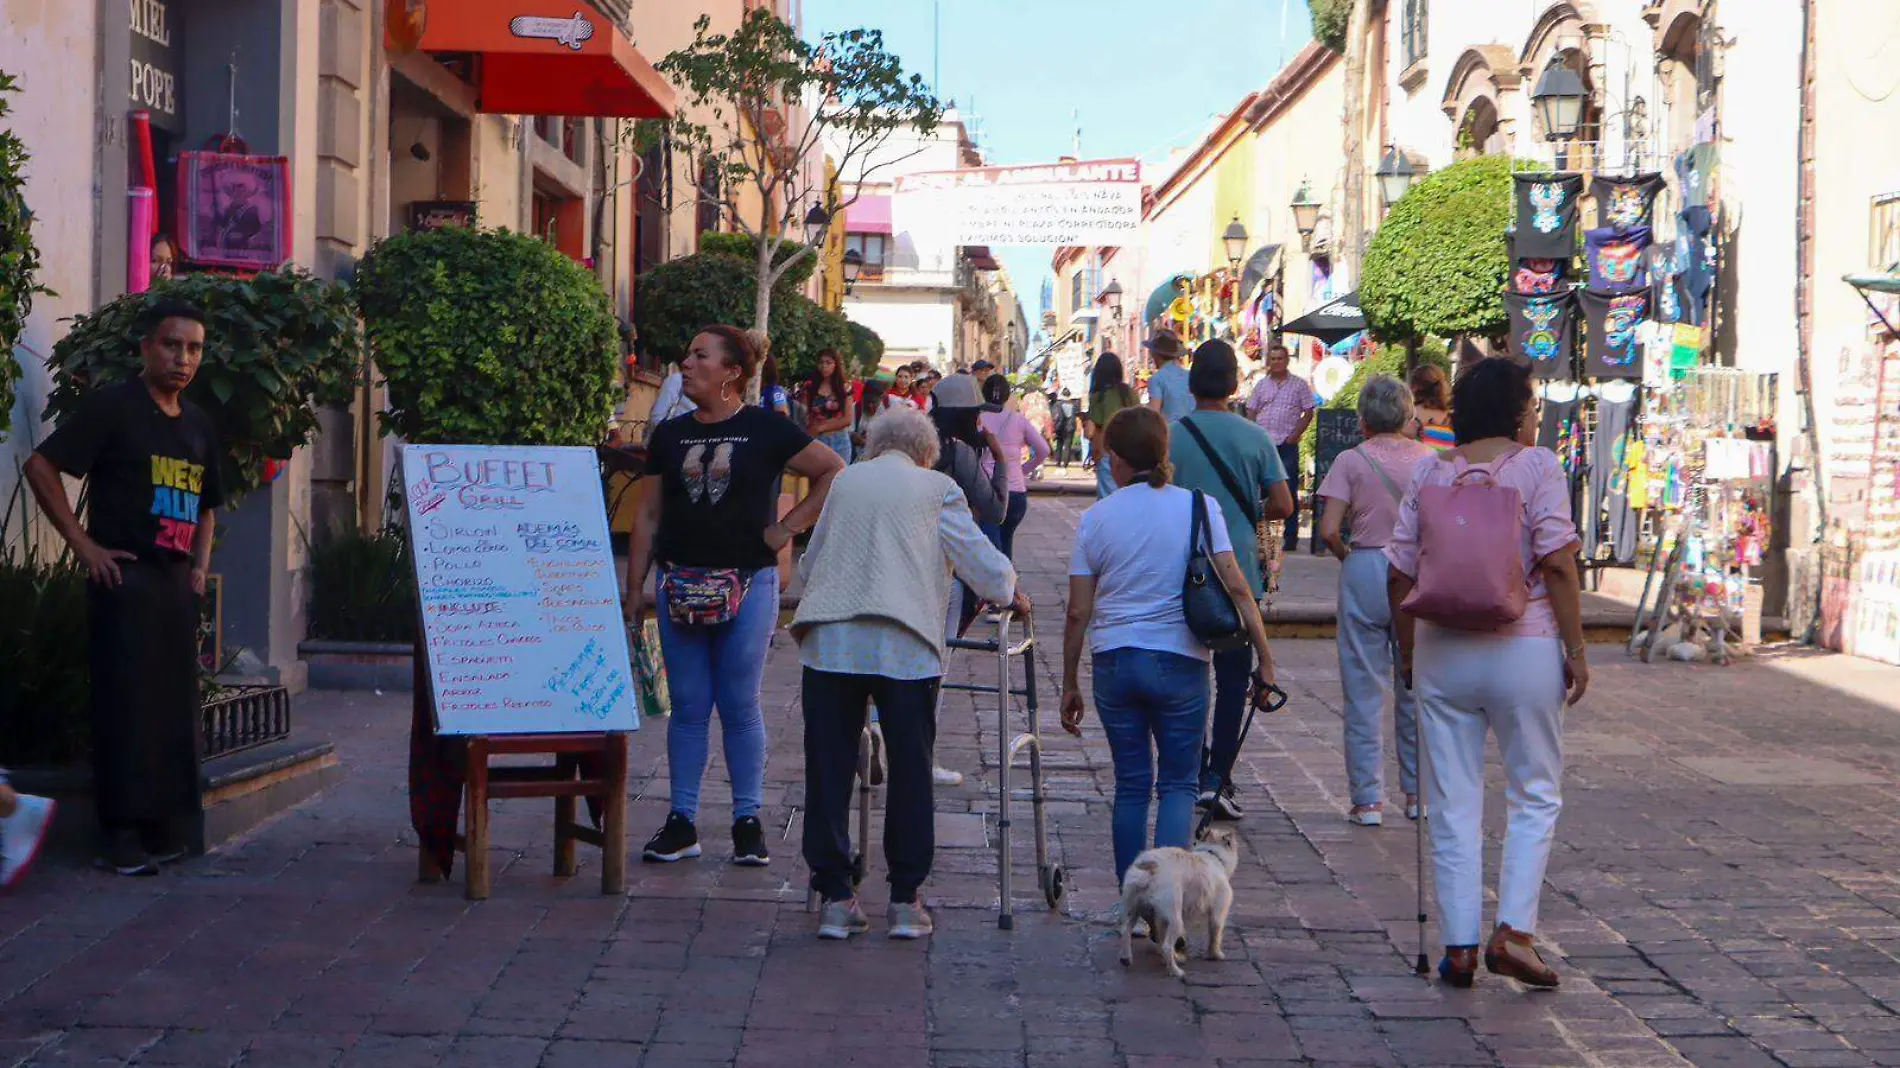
x=979 y=257
x=545 y=58
x=871 y=214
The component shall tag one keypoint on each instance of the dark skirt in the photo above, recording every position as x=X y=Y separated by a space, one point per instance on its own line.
x=145 y=697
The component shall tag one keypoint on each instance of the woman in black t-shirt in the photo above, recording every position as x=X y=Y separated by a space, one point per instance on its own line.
x=712 y=527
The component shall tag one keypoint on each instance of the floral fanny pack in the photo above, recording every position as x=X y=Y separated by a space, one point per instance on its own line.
x=704 y=596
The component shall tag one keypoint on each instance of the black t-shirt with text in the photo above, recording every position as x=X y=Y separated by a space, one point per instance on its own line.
x=718 y=486
x=149 y=476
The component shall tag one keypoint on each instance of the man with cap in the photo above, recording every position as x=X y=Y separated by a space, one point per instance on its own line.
x=982 y=369
x=1168 y=386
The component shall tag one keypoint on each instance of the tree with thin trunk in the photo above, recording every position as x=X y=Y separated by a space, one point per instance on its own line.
x=741 y=94
x=1353 y=225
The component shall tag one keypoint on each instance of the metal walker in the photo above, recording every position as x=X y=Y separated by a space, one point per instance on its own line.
x=1049 y=873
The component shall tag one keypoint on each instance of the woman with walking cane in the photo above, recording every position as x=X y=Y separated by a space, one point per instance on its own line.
x=1484 y=587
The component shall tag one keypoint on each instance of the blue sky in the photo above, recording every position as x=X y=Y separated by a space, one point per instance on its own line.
x=1145 y=75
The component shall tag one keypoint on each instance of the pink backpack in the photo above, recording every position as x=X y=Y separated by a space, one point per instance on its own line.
x=1470 y=552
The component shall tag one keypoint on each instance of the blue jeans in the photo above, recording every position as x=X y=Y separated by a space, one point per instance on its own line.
x=1153 y=708
x=719 y=667
x=838 y=441
x=1004 y=536
x=1104 y=481
x=1233 y=674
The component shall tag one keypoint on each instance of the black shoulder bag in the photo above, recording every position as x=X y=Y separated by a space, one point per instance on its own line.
x=1211 y=613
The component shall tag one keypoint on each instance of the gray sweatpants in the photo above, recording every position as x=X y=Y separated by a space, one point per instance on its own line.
x=1368 y=669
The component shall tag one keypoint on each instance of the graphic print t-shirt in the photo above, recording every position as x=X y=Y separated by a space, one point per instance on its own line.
x=1547 y=214
x=1616 y=258
x=149 y=476
x=1536 y=274
x=1542 y=331
x=1615 y=349
x=717 y=485
x=1625 y=202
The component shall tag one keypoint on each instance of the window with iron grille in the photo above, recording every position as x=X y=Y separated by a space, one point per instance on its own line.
x=1076 y=282
x=1412 y=30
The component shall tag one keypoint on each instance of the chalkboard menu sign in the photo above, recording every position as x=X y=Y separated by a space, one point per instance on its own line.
x=1335 y=431
x=520 y=600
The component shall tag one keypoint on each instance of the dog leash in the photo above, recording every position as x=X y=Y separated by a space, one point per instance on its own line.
x=1276 y=700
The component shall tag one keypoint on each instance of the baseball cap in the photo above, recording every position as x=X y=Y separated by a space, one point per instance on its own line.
x=982 y=365
x=957 y=391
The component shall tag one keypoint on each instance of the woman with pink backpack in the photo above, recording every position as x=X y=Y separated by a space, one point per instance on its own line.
x=1485 y=589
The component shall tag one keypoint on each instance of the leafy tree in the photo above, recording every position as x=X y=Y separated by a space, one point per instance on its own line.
x=679 y=297
x=278 y=347
x=1330 y=21
x=868 y=348
x=19 y=259
x=737 y=94
x=488 y=337
x=1388 y=360
x=1438 y=263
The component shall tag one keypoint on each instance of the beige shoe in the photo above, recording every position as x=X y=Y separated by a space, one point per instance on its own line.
x=911 y=921
x=946 y=777
x=839 y=920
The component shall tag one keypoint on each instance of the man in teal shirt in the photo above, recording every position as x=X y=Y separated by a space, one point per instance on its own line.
x=1201 y=444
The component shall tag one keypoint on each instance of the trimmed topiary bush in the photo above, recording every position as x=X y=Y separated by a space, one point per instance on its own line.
x=746 y=250
x=278 y=347
x=1438 y=264
x=681 y=296
x=868 y=347
x=1389 y=360
x=488 y=337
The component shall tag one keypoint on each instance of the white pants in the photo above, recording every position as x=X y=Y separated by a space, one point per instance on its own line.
x=1467 y=684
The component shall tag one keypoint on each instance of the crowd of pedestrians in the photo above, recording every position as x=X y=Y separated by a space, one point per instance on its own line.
x=1458 y=601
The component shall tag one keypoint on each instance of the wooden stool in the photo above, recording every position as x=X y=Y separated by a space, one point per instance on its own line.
x=563 y=782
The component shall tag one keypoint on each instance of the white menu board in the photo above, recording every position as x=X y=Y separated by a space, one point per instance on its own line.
x=520 y=597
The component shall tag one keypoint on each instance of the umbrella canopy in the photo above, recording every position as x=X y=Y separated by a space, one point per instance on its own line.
x=1335 y=320
x=1163 y=296
x=1258 y=269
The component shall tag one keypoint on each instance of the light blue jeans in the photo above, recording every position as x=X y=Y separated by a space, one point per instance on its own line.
x=1368 y=670
x=1104 y=481
x=838 y=441
x=1153 y=708
x=719 y=667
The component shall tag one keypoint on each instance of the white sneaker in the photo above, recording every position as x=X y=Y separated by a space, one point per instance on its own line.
x=21 y=836
x=946 y=777
x=1366 y=817
x=839 y=920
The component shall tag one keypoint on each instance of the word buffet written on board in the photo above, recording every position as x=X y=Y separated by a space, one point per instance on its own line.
x=1095 y=202
x=520 y=598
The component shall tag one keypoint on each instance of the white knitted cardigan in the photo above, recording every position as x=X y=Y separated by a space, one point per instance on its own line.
x=876 y=552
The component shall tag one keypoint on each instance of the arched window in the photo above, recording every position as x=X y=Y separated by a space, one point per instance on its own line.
x=1412 y=30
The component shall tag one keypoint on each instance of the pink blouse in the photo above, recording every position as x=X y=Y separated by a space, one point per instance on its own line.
x=1015 y=433
x=1371 y=508
x=1538 y=476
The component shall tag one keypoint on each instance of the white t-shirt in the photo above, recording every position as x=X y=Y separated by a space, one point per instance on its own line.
x=1135 y=544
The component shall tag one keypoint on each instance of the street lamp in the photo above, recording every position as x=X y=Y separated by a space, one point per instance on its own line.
x=817 y=221
x=1396 y=174
x=853 y=263
x=1559 y=99
x=1112 y=296
x=1305 y=210
x=1235 y=238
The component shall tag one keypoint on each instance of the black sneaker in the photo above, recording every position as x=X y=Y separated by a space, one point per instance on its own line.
x=678 y=840
x=1226 y=806
x=163 y=843
x=748 y=843
x=122 y=853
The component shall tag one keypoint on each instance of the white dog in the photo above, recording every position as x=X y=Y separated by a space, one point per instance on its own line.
x=1172 y=886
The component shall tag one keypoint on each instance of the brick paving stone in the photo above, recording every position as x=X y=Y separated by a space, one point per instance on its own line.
x=1705 y=908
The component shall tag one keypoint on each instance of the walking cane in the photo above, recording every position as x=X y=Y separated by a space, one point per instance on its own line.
x=1423 y=966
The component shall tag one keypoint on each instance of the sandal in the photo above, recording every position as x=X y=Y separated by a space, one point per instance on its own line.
x=1459 y=966
x=1513 y=954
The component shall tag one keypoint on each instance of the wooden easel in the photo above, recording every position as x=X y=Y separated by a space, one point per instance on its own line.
x=564 y=781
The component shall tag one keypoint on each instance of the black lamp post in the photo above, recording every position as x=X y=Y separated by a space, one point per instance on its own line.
x=817 y=221
x=1112 y=296
x=1235 y=238
x=1396 y=174
x=853 y=263
x=1559 y=99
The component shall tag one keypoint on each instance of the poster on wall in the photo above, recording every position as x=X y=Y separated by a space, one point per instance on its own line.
x=1094 y=202
x=234 y=211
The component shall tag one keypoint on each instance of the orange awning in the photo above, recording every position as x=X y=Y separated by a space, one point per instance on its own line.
x=548 y=58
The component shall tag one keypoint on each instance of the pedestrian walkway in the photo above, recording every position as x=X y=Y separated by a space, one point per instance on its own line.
x=1723 y=893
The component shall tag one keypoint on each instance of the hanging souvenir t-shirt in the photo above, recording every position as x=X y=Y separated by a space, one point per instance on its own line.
x=1695 y=171
x=1616 y=258
x=1697 y=254
x=1614 y=320
x=1542 y=332
x=1547 y=214
x=1623 y=203
x=1536 y=274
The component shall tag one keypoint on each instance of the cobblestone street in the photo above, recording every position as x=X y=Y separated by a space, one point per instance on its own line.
x=1722 y=894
